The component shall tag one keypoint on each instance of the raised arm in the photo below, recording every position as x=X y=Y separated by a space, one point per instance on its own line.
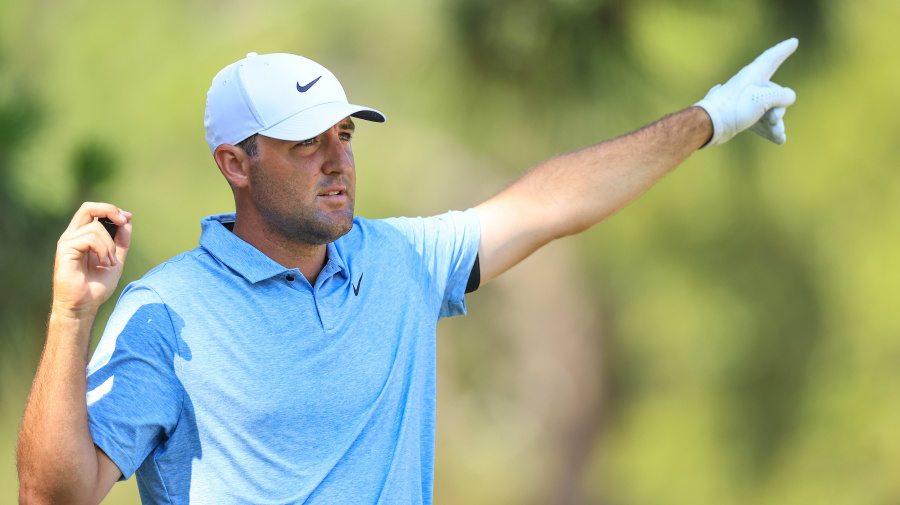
x=570 y=193
x=56 y=456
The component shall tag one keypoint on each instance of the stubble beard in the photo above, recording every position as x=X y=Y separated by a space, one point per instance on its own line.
x=305 y=228
x=299 y=224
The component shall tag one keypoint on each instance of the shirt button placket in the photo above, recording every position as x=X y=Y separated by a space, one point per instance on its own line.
x=322 y=311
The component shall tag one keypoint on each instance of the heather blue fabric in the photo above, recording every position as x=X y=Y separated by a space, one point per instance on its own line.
x=223 y=377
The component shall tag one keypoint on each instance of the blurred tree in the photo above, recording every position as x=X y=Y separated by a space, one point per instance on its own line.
x=804 y=19
x=29 y=234
x=535 y=45
x=761 y=264
x=530 y=47
x=92 y=165
x=23 y=255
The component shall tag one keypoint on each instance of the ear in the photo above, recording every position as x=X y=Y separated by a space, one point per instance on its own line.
x=234 y=164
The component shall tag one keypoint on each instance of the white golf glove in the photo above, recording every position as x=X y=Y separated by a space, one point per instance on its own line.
x=751 y=100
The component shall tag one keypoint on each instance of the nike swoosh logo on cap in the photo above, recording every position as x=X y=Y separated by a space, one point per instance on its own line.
x=304 y=89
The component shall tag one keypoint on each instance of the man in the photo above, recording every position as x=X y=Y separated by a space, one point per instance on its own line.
x=290 y=357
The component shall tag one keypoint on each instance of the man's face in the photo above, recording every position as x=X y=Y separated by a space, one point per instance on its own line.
x=305 y=189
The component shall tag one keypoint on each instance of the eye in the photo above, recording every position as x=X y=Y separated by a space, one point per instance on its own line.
x=307 y=143
x=346 y=136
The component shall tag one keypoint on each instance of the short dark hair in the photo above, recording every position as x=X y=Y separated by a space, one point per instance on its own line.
x=249 y=146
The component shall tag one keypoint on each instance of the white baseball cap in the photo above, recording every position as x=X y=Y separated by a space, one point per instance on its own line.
x=283 y=96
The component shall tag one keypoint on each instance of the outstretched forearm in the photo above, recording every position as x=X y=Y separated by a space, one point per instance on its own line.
x=570 y=193
x=580 y=189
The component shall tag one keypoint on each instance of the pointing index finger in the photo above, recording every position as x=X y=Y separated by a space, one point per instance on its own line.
x=768 y=62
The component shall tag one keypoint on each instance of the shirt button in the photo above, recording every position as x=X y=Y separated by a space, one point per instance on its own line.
x=290 y=278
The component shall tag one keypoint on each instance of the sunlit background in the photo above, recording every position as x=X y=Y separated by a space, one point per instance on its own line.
x=731 y=337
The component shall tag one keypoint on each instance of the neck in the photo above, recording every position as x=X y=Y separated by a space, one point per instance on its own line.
x=308 y=258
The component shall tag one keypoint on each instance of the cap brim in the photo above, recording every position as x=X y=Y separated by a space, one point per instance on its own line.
x=311 y=122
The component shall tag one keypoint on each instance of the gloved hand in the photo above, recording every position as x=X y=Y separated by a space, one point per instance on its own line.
x=751 y=100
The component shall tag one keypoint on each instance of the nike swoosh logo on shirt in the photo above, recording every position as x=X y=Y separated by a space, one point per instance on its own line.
x=356 y=288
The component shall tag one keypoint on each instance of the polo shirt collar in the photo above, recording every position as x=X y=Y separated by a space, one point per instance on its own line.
x=248 y=261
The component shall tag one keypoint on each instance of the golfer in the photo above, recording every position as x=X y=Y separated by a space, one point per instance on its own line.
x=290 y=358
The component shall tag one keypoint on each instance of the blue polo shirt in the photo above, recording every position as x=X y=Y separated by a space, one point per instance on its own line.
x=223 y=377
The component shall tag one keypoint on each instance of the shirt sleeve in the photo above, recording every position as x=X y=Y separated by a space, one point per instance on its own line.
x=447 y=245
x=134 y=397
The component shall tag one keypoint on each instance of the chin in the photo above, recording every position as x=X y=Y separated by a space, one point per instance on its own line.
x=343 y=230
x=326 y=232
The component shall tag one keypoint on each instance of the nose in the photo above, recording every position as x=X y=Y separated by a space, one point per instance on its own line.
x=338 y=155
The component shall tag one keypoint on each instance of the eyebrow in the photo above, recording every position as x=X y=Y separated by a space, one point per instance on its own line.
x=347 y=124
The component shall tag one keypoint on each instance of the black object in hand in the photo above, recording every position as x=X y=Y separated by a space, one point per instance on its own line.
x=110 y=226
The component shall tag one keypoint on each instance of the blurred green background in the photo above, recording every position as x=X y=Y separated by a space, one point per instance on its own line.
x=731 y=337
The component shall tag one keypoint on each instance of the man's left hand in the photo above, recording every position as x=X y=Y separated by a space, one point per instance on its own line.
x=751 y=100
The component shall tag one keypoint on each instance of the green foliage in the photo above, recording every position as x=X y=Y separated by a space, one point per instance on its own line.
x=588 y=47
x=23 y=242
x=537 y=45
x=20 y=118
x=29 y=233
x=93 y=164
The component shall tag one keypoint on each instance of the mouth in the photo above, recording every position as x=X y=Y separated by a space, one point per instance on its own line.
x=333 y=195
